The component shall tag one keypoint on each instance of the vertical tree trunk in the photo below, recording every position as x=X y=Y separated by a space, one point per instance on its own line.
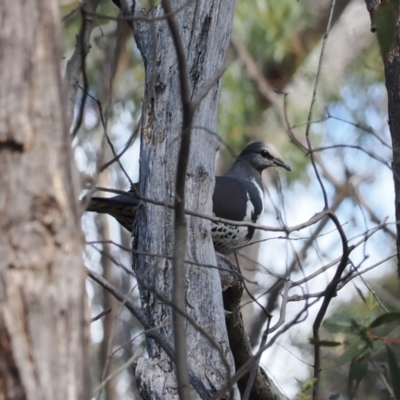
x=205 y=28
x=388 y=31
x=43 y=335
x=110 y=327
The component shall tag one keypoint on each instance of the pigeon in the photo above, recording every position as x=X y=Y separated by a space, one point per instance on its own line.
x=238 y=196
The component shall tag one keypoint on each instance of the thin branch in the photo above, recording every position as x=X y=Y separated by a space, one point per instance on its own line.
x=344 y=282
x=122 y=367
x=335 y=261
x=341 y=193
x=101 y=315
x=180 y=227
x=349 y=146
x=282 y=314
x=220 y=260
x=329 y=294
x=288 y=229
x=76 y=64
x=313 y=100
x=143 y=18
x=362 y=272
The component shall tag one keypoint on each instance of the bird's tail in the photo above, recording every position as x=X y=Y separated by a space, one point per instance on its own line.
x=123 y=208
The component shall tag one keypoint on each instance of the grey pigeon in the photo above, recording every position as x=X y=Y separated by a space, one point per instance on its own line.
x=238 y=196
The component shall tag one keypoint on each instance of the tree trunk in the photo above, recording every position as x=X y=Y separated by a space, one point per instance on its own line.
x=388 y=31
x=205 y=28
x=43 y=335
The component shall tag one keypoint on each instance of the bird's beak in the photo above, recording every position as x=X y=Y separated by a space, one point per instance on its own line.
x=280 y=163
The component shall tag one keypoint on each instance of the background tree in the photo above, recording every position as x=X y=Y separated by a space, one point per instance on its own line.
x=43 y=334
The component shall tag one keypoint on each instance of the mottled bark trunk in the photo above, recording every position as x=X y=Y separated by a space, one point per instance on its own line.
x=205 y=28
x=110 y=326
x=43 y=335
x=388 y=31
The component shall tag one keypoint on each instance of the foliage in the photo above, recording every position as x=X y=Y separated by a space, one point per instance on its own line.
x=364 y=346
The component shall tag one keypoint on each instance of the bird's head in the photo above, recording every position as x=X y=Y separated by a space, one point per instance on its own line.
x=262 y=155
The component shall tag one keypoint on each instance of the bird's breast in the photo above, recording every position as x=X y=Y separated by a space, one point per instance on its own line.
x=238 y=200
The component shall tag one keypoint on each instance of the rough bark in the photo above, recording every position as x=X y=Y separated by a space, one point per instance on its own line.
x=205 y=30
x=388 y=31
x=43 y=335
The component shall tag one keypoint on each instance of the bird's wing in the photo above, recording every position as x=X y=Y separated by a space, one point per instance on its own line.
x=234 y=197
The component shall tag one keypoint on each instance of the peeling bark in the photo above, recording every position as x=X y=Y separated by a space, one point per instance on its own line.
x=205 y=28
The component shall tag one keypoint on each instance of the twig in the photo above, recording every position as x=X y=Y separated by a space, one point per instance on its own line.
x=349 y=146
x=313 y=100
x=282 y=314
x=341 y=193
x=329 y=293
x=127 y=364
x=179 y=207
x=84 y=48
x=289 y=229
x=100 y=315
x=75 y=65
x=335 y=261
x=362 y=272
x=144 y=18
x=197 y=264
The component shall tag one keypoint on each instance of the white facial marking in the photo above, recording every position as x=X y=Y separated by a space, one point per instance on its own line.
x=272 y=150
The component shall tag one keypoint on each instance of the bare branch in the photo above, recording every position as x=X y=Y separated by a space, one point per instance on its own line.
x=314 y=96
x=179 y=207
x=100 y=315
x=76 y=64
x=315 y=218
x=329 y=294
x=349 y=146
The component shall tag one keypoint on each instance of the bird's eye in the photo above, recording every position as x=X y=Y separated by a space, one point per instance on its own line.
x=266 y=154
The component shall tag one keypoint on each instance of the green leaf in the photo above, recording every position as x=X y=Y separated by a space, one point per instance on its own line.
x=340 y=324
x=358 y=370
x=385 y=319
x=324 y=343
x=377 y=345
x=386 y=18
x=394 y=372
x=353 y=351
